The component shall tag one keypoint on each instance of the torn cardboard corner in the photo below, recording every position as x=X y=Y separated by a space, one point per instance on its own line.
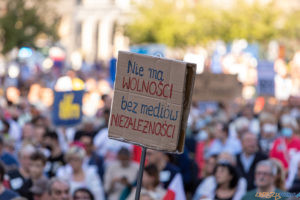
x=151 y=101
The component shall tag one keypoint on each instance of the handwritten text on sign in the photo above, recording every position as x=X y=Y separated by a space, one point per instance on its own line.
x=148 y=99
x=151 y=86
x=159 y=111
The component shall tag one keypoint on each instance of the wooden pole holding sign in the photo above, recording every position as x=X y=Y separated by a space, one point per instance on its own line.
x=140 y=175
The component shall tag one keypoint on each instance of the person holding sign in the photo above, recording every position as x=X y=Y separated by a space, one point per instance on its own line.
x=120 y=174
x=167 y=170
x=151 y=188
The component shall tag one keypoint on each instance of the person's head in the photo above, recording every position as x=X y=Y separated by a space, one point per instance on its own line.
x=247 y=111
x=9 y=145
x=150 y=177
x=289 y=125
x=265 y=174
x=124 y=157
x=2 y=172
x=40 y=131
x=210 y=164
x=74 y=156
x=87 y=141
x=40 y=120
x=227 y=157
x=221 y=130
x=58 y=189
x=37 y=163
x=157 y=158
x=226 y=174
x=83 y=194
x=24 y=155
x=28 y=131
x=241 y=126
x=50 y=140
x=39 y=189
x=154 y=156
x=268 y=130
x=249 y=143
x=88 y=124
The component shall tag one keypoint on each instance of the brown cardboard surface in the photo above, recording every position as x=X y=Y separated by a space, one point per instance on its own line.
x=173 y=73
x=216 y=87
x=155 y=120
x=142 y=115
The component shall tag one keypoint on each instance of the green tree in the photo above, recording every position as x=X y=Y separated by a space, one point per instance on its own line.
x=292 y=26
x=254 y=22
x=162 y=22
x=22 y=23
x=182 y=23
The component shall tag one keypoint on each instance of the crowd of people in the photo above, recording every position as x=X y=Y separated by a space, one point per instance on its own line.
x=232 y=151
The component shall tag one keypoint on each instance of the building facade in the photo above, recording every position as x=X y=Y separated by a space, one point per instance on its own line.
x=93 y=27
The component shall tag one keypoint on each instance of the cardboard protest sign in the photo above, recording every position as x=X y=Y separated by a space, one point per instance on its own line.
x=266 y=76
x=151 y=101
x=67 y=108
x=216 y=87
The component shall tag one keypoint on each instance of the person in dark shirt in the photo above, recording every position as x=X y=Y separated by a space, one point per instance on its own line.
x=167 y=170
x=250 y=156
x=37 y=164
x=92 y=157
x=56 y=158
x=296 y=183
x=8 y=160
x=227 y=179
x=18 y=177
x=188 y=169
x=5 y=194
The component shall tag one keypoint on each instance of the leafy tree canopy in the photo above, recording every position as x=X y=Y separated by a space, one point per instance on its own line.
x=21 y=24
x=182 y=24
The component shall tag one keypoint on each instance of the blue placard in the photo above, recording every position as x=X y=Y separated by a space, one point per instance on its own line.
x=66 y=109
x=112 y=69
x=266 y=75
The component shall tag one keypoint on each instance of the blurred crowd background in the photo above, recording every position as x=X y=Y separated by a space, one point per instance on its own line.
x=235 y=149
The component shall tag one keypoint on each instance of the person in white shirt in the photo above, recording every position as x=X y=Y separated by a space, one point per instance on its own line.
x=79 y=176
x=223 y=142
x=119 y=174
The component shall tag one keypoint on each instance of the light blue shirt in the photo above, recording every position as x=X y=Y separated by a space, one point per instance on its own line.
x=232 y=146
x=247 y=161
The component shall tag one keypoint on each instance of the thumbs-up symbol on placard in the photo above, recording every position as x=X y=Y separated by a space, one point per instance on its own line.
x=68 y=109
